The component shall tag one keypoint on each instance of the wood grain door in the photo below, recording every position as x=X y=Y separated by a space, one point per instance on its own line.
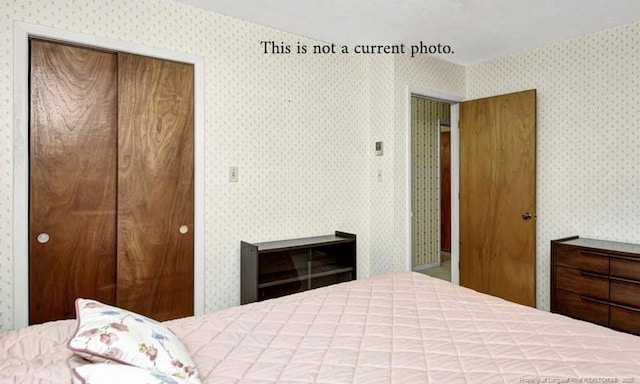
x=445 y=190
x=155 y=187
x=497 y=195
x=111 y=182
x=72 y=177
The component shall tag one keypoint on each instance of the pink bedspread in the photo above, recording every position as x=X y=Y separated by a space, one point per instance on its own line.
x=397 y=328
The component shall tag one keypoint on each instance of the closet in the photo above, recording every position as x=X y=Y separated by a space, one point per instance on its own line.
x=110 y=182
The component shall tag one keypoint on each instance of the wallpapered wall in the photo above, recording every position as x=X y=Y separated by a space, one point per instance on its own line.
x=296 y=126
x=300 y=128
x=588 y=178
x=389 y=219
x=425 y=179
x=381 y=207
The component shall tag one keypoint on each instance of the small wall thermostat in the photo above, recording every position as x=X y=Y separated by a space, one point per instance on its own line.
x=378 y=148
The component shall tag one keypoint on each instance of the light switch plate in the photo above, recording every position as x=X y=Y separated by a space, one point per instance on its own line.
x=378 y=148
x=233 y=174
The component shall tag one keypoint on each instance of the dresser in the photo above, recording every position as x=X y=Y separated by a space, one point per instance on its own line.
x=597 y=281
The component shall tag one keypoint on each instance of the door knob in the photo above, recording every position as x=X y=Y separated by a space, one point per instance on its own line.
x=183 y=229
x=526 y=216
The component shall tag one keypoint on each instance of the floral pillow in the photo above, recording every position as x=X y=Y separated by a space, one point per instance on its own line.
x=105 y=333
x=118 y=373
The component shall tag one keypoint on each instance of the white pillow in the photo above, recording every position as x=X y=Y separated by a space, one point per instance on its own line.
x=105 y=333
x=118 y=373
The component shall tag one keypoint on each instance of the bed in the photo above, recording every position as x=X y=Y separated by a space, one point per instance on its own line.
x=397 y=328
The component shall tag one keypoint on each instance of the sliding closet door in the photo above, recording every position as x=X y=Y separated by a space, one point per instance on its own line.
x=155 y=186
x=72 y=202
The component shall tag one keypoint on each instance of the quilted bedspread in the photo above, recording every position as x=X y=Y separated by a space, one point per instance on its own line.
x=397 y=328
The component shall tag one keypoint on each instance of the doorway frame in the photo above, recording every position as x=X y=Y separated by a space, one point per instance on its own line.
x=22 y=32
x=453 y=101
x=444 y=123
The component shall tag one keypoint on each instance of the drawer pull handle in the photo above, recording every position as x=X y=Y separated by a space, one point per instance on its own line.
x=589 y=253
x=623 y=280
x=625 y=307
x=585 y=298
x=619 y=257
x=591 y=274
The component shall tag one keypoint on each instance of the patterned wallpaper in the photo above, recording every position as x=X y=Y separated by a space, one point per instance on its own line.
x=425 y=180
x=297 y=127
x=588 y=178
x=382 y=129
x=301 y=130
x=389 y=222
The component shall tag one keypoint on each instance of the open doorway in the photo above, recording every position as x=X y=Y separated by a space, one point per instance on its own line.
x=431 y=187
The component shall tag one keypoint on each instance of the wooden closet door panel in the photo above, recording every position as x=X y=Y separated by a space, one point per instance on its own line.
x=155 y=186
x=73 y=128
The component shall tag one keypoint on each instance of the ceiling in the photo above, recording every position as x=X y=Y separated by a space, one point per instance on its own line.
x=476 y=30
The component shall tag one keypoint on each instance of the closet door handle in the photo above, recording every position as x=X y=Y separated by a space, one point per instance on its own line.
x=183 y=229
x=43 y=238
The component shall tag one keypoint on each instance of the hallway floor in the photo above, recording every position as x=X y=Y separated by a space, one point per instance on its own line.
x=443 y=271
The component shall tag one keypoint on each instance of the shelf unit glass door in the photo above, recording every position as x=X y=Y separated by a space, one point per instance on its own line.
x=283 y=273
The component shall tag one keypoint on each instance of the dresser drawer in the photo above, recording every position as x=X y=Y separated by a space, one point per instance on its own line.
x=583 y=259
x=583 y=283
x=624 y=319
x=625 y=293
x=625 y=268
x=580 y=307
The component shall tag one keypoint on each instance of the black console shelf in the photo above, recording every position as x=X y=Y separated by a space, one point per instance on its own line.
x=278 y=268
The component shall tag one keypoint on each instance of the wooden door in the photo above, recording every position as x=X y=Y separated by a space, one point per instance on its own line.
x=111 y=182
x=155 y=187
x=497 y=192
x=445 y=190
x=72 y=177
